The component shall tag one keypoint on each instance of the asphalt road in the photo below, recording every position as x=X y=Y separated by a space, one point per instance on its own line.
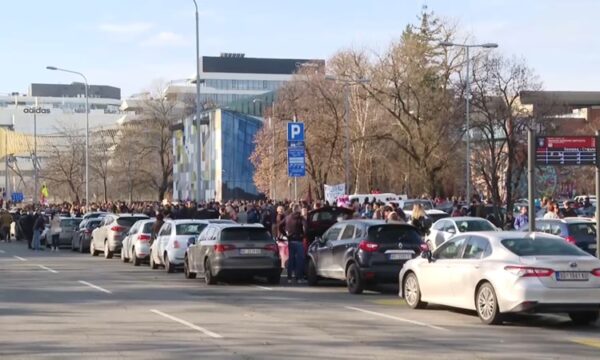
x=71 y=306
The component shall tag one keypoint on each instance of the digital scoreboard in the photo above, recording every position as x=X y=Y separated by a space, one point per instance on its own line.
x=566 y=150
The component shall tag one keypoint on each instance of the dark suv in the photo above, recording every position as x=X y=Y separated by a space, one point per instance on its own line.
x=363 y=252
x=577 y=231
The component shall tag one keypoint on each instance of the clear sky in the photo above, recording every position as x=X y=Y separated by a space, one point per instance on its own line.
x=131 y=43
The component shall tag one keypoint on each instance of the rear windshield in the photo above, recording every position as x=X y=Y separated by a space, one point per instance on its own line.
x=474 y=225
x=93 y=224
x=582 y=229
x=408 y=205
x=245 y=234
x=70 y=222
x=384 y=234
x=541 y=246
x=130 y=220
x=148 y=227
x=189 y=229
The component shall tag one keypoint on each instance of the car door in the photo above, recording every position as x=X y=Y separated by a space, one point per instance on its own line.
x=193 y=250
x=339 y=249
x=79 y=233
x=127 y=242
x=435 y=277
x=206 y=247
x=468 y=271
x=99 y=233
x=324 y=261
x=162 y=241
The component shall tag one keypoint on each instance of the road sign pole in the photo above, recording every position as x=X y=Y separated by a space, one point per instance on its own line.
x=597 y=195
x=531 y=177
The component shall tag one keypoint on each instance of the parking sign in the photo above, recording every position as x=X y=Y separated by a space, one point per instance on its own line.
x=295 y=131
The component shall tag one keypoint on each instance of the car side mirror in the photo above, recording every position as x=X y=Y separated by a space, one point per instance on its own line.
x=320 y=240
x=452 y=231
x=427 y=255
x=191 y=241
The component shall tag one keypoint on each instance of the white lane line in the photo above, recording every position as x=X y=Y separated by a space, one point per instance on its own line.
x=396 y=318
x=95 y=287
x=2 y=252
x=19 y=258
x=188 y=324
x=262 y=287
x=47 y=269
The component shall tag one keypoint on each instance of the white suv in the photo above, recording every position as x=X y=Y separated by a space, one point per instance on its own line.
x=108 y=237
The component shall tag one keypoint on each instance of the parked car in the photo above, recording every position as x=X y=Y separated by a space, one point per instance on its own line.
x=233 y=250
x=495 y=273
x=576 y=231
x=136 y=245
x=94 y=215
x=82 y=237
x=362 y=253
x=444 y=229
x=108 y=237
x=169 y=248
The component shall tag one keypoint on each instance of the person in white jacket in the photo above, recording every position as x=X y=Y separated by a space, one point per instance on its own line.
x=552 y=212
x=55 y=230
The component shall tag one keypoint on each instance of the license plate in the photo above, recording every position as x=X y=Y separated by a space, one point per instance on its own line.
x=401 y=256
x=250 y=251
x=572 y=276
x=592 y=246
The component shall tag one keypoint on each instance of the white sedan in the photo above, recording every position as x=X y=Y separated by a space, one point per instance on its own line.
x=495 y=273
x=442 y=230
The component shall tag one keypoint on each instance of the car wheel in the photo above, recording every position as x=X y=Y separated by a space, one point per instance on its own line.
x=81 y=248
x=153 y=265
x=93 y=250
x=169 y=267
x=311 y=274
x=135 y=260
x=584 y=317
x=412 y=292
x=107 y=253
x=354 y=281
x=209 y=278
x=186 y=270
x=487 y=305
x=124 y=257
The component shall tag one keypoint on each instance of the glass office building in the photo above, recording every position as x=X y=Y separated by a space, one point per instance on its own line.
x=226 y=170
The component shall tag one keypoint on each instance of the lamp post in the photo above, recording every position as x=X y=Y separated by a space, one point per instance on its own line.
x=347 y=83
x=87 y=130
x=199 y=176
x=468 y=104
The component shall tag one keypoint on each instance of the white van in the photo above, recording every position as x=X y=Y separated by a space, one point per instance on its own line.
x=384 y=198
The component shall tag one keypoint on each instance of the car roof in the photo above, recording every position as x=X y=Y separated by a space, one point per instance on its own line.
x=222 y=226
x=130 y=215
x=371 y=222
x=186 y=221
x=69 y=218
x=463 y=218
x=498 y=236
x=568 y=220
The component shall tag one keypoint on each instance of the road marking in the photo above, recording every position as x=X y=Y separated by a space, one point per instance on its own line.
x=47 y=269
x=188 y=324
x=95 y=286
x=588 y=342
x=396 y=318
x=262 y=287
x=19 y=258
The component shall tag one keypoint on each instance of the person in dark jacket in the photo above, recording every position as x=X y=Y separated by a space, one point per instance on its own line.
x=294 y=229
x=27 y=222
x=266 y=219
x=38 y=228
x=156 y=227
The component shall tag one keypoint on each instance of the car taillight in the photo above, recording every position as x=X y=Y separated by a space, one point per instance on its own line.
x=143 y=237
x=526 y=271
x=176 y=244
x=219 y=248
x=570 y=239
x=117 y=228
x=424 y=247
x=88 y=231
x=272 y=247
x=368 y=246
x=596 y=272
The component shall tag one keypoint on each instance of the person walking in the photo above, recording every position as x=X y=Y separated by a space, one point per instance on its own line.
x=55 y=230
x=5 y=221
x=38 y=227
x=294 y=228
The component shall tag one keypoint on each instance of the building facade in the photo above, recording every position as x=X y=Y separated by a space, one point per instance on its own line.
x=226 y=170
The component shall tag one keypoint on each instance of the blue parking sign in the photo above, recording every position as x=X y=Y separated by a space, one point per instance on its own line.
x=295 y=131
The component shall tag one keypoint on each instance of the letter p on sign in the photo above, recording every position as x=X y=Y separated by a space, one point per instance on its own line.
x=295 y=131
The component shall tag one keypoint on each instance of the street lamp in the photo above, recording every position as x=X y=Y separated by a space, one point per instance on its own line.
x=468 y=104
x=87 y=130
x=347 y=83
x=199 y=177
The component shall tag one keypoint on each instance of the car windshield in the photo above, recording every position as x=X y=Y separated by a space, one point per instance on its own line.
x=93 y=224
x=70 y=222
x=385 y=234
x=148 y=227
x=541 y=246
x=582 y=230
x=245 y=234
x=129 y=220
x=408 y=205
x=474 y=225
x=189 y=229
